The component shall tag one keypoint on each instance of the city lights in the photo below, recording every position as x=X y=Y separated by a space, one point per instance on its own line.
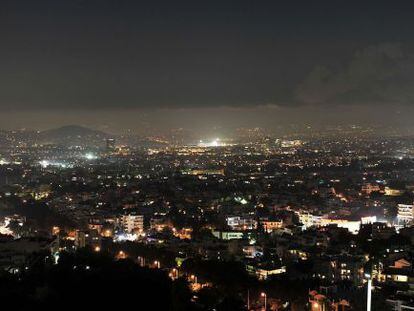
x=90 y=156
x=207 y=155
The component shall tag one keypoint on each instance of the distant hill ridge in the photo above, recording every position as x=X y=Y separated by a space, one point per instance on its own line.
x=73 y=135
x=72 y=131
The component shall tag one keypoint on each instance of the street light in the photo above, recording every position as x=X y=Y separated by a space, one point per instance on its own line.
x=193 y=277
x=141 y=261
x=263 y=294
x=369 y=291
x=157 y=264
x=174 y=274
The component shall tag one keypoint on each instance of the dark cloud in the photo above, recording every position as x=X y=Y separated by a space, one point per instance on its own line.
x=380 y=74
x=110 y=54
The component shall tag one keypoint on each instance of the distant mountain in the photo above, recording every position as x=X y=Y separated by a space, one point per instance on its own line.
x=73 y=135
x=72 y=131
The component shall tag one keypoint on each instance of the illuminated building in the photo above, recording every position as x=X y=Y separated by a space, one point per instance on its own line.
x=241 y=223
x=159 y=223
x=393 y=192
x=353 y=226
x=252 y=251
x=271 y=225
x=370 y=188
x=308 y=220
x=318 y=302
x=183 y=234
x=399 y=272
x=205 y=172
x=80 y=239
x=132 y=223
x=228 y=235
x=368 y=220
x=214 y=143
x=291 y=143
x=264 y=270
x=405 y=214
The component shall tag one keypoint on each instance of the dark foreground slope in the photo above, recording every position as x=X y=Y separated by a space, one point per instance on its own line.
x=85 y=281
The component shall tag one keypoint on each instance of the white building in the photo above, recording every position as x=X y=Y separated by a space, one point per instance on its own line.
x=132 y=223
x=241 y=223
x=228 y=235
x=405 y=214
x=353 y=226
x=308 y=220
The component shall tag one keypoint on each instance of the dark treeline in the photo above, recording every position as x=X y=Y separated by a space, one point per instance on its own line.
x=85 y=280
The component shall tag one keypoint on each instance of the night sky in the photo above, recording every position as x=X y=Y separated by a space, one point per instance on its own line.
x=160 y=64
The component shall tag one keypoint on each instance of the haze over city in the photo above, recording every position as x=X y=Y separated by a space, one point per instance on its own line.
x=143 y=65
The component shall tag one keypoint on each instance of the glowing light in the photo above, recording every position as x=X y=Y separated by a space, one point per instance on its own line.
x=3 y=162
x=121 y=255
x=56 y=258
x=90 y=156
x=125 y=237
x=5 y=230
x=213 y=143
x=194 y=278
x=44 y=163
